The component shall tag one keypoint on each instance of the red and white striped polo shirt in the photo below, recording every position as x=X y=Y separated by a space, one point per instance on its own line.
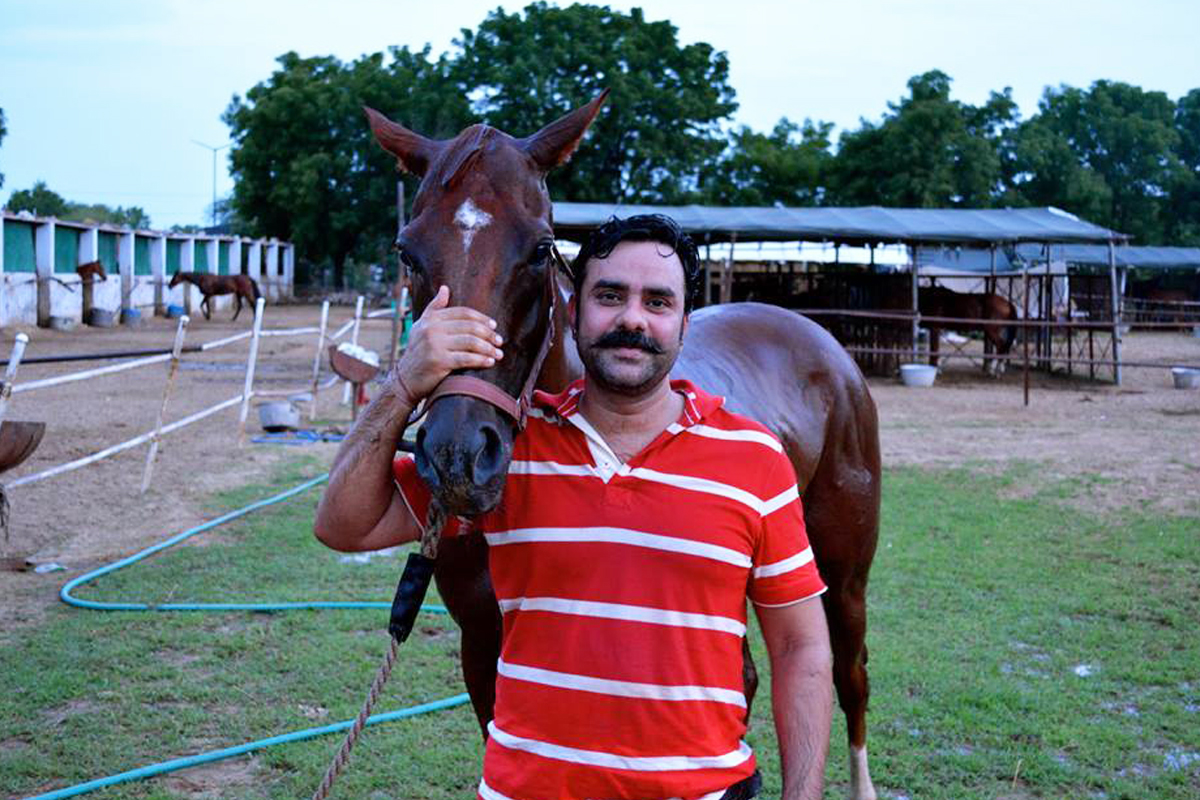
x=623 y=589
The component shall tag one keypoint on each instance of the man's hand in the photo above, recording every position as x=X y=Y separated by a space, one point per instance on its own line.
x=445 y=339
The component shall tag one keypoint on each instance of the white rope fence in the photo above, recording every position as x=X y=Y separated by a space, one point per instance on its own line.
x=154 y=436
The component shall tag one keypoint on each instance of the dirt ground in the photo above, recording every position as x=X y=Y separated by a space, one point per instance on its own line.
x=1136 y=444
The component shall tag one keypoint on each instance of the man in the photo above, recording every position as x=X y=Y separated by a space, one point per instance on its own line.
x=637 y=518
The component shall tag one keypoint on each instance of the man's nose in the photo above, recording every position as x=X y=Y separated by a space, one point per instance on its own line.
x=633 y=317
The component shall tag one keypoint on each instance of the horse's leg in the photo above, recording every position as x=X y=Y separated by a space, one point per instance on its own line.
x=237 y=296
x=935 y=340
x=206 y=308
x=841 y=512
x=466 y=588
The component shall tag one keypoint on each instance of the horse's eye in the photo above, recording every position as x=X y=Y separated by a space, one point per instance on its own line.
x=541 y=253
x=407 y=260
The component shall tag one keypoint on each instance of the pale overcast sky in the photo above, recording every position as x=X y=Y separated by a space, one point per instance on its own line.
x=103 y=98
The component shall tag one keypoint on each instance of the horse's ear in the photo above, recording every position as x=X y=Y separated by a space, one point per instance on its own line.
x=553 y=145
x=414 y=151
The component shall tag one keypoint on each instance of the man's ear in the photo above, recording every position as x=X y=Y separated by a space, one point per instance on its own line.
x=683 y=328
x=573 y=311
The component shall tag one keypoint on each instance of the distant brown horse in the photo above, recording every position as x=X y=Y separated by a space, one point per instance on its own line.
x=240 y=286
x=938 y=301
x=773 y=365
x=91 y=272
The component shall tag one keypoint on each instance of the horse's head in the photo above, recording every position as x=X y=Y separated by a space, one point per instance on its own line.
x=176 y=279
x=481 y=225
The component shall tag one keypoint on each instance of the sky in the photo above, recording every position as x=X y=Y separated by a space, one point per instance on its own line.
x=106 y=99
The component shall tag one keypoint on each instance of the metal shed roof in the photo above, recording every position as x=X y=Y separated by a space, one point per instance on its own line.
x=865 y=225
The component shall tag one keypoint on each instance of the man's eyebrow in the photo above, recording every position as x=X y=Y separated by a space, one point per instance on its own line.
x=610 y=284
x=653 y=291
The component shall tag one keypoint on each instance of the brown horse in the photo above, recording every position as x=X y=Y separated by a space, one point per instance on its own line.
x=91 y=272
x=487 y=188
x=938 y=301
x=240 y=286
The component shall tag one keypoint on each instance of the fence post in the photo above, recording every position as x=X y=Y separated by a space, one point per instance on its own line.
x=10 y=374
x=172 y=369
x=358 y=308
x=251 y=361
x=312 y=409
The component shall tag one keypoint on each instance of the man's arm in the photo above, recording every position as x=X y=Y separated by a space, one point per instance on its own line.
x=360 y=508
x=801 y=692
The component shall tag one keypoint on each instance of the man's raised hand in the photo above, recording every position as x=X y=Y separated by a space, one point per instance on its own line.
x=446 y=338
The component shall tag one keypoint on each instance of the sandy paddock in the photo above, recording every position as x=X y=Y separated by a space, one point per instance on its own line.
x=1139 y=443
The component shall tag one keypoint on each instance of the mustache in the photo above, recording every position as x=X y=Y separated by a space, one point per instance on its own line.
x=628 y=338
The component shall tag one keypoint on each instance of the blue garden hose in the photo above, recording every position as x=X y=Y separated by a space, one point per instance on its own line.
x=228 y=752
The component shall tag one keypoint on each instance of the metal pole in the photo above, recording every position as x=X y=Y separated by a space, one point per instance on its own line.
x=1116 y=312
x=312 y=408
x=213 y=213
x=10 y=373
x=172 y=369
x=1025 y=336
x=251 y=362
x=916 y=305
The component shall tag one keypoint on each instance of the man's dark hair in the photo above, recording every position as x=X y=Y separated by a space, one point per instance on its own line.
x=641 y=228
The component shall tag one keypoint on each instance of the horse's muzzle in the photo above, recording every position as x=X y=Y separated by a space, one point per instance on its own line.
x=463 y=451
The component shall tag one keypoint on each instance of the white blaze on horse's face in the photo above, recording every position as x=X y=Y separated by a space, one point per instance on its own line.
x=471 y=219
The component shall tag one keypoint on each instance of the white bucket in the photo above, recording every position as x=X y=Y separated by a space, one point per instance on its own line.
x=917 y=374
x=278 y=416
x=1186 y=377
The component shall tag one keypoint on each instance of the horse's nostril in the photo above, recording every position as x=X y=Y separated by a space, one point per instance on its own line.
x=489 y=455
x=426 y=466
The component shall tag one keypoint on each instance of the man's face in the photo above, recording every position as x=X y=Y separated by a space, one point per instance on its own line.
x=629 y=321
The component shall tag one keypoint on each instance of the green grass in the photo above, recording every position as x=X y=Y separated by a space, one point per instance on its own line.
x=983 y=608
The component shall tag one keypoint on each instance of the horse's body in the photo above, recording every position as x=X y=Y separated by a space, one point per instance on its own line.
x=938 y=301
x=771 y=364
x=240 y=286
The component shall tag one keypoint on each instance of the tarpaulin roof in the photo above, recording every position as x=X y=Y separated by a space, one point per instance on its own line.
x=865 y=225
x=1010 y=259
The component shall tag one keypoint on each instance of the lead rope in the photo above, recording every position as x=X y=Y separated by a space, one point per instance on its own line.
x=407 y=603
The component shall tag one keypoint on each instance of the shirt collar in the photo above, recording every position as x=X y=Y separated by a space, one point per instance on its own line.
x=697 y=403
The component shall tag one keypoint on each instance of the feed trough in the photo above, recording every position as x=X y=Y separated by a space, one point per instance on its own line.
x=921 y=375
x=1186 y=377
x=278 y=416
x=354 y=364
x=18 y=440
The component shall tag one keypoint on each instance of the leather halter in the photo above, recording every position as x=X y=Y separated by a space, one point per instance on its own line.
x=516 y=408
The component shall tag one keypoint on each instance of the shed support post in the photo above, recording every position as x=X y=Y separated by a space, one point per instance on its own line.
x=1116 y=313
x=727 y=274
x=707 y=274
x=916 y=303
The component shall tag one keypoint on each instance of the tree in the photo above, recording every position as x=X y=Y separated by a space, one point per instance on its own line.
x=40 y=201
x=1107 y=153
x=305 y=166
x=929 y=151
x=662 y=123
x=1183 y=218
x=772 y=169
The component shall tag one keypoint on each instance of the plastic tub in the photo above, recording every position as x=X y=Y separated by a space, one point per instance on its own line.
x=131 y=317
x=1186 y=377
x=921 y=375
x=100 y=318
x=278 y=416
x=174 y=311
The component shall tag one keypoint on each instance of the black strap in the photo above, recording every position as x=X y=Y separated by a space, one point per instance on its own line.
x=410 y=593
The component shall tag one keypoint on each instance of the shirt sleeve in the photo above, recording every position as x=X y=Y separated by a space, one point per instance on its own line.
x=784 y=571
x=415 y=493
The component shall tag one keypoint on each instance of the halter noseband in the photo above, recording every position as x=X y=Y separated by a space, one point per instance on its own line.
x=516 y=408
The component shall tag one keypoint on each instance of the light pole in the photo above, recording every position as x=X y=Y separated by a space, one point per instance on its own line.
x=213 y=213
